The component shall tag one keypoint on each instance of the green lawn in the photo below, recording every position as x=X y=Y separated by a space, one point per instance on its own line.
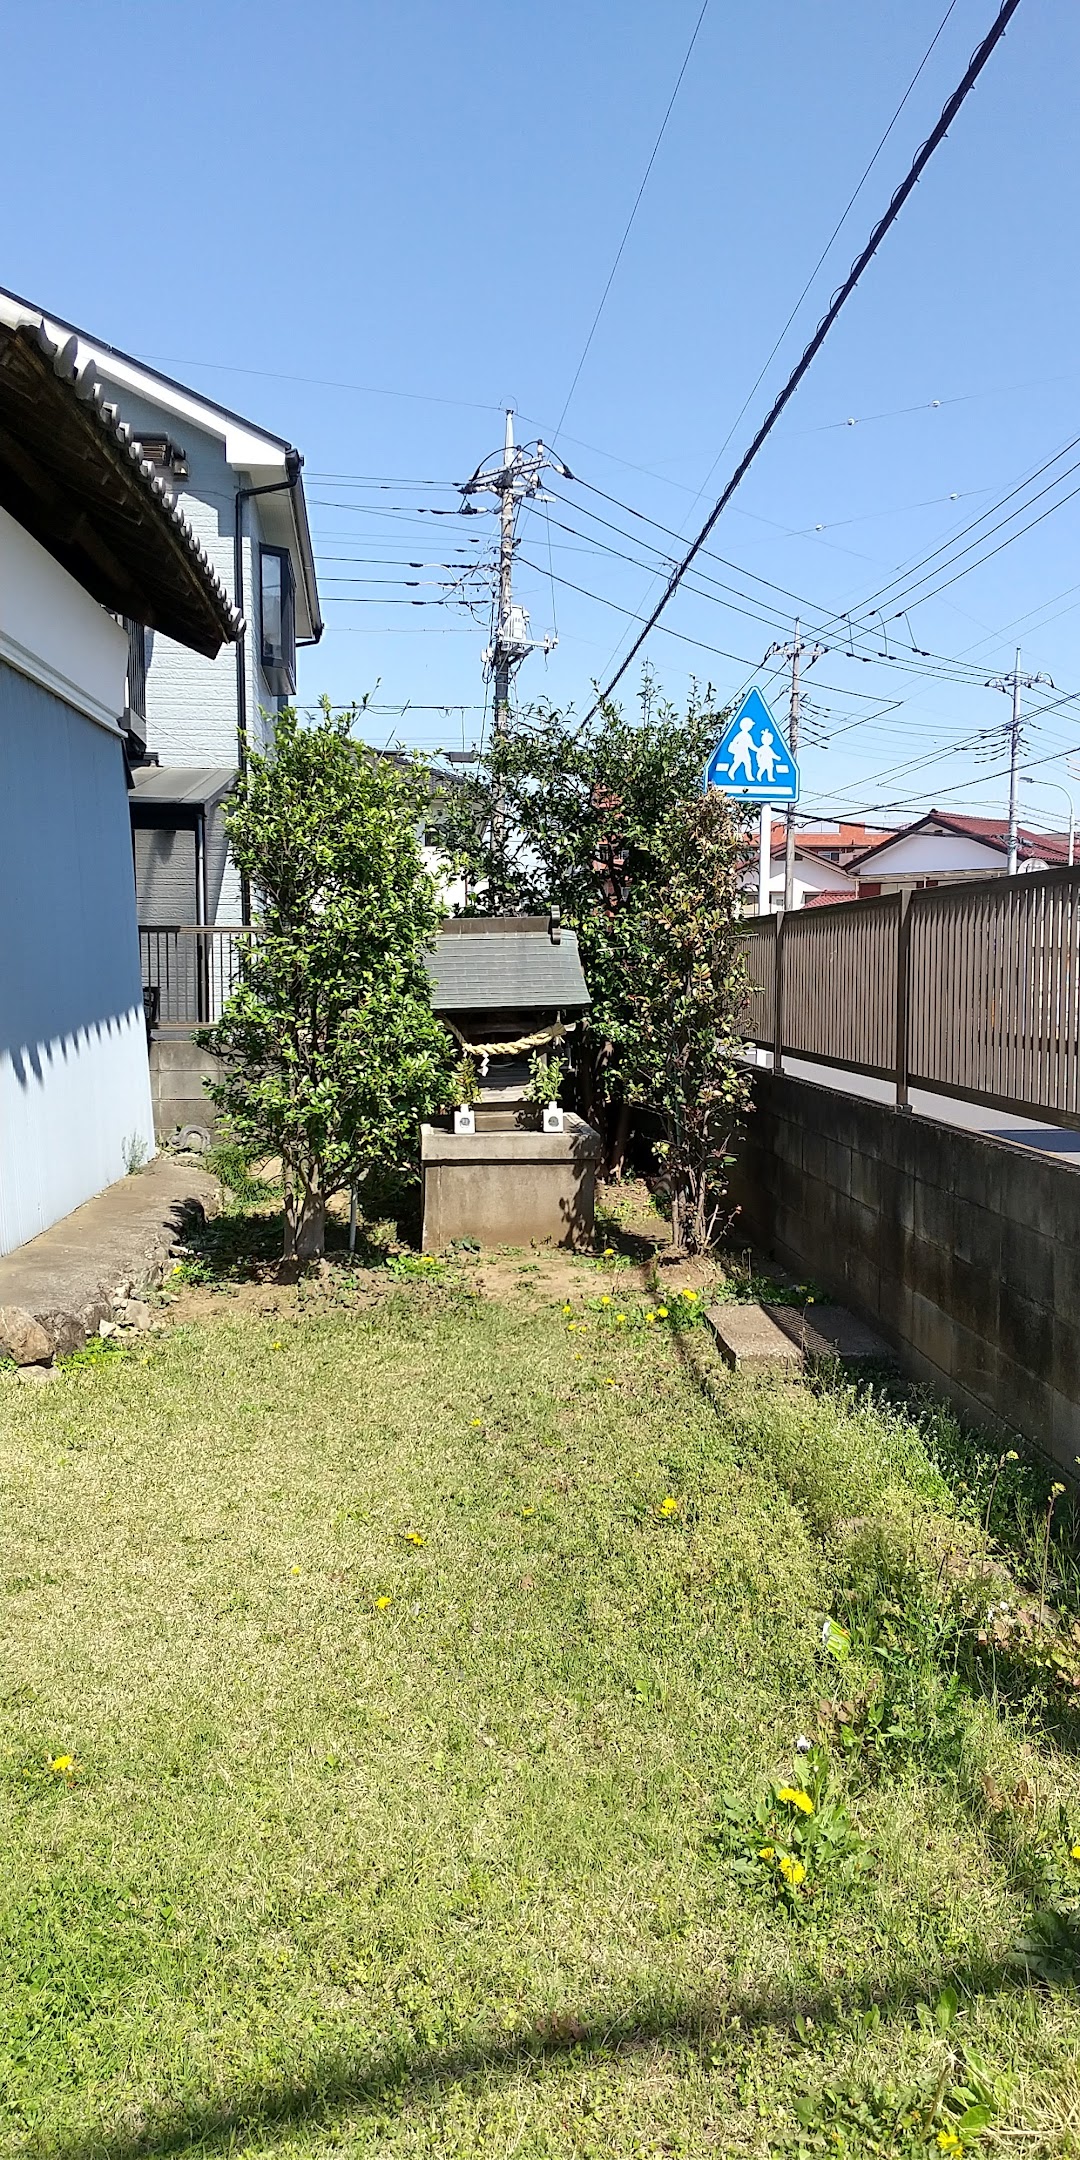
x=422 y=1667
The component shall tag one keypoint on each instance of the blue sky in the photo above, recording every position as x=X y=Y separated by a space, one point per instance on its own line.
x=370 y=225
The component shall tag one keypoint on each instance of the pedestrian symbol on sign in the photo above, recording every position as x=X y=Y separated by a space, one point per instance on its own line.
x=752 y=760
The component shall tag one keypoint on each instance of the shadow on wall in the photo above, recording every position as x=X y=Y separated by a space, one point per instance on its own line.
x=70 y=960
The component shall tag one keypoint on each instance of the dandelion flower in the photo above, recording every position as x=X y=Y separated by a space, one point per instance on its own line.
x=276 y=1346
x=476 y=1421
x=797 y=1799
x=294 y=1571
x=609 y=1380
x=528 y=1511
x=661 y=1312
x=948 y=2142
x=609 y=1252
x=1074 y=1852
x=63 y=1765
x=768 y=1852
x=381 y=1603
x=414 y=1537
x=649 y=1319
x=792 y=1870
x=620 y=1319
x=605 y=1300
x=668 y=1505
x=691 y=1296
x=567 y=1310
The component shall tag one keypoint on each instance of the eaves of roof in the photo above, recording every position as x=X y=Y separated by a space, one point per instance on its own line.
x=260 y=445
x=74 y=476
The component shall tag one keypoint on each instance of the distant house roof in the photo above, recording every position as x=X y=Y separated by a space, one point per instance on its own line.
x=73 y=477
x=253 y=451
x=993 y=832
x=510 y=963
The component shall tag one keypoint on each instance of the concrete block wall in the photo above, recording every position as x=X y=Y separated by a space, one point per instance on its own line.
x=963 y=1251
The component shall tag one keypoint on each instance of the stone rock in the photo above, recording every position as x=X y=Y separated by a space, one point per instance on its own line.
x=34 y=1373
x=23 y=1337
x=137 y=1314
x=107 y=1328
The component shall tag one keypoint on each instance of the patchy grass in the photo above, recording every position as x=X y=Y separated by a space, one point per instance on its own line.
x=404 y=1719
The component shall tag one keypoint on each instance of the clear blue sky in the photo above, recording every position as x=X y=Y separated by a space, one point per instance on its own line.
x=310 y=212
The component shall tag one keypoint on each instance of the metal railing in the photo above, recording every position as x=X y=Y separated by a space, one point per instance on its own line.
x=188 y=971
x=970 y=990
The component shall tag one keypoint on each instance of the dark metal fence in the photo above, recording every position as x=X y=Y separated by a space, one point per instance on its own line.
x=970 y=990
x=188 y=971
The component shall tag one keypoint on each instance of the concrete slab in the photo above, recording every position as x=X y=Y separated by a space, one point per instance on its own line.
x=830 y=1331
x=748 y=1339
x=56 y=1291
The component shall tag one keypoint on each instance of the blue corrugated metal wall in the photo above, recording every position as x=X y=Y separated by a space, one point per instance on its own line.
x=74 y=1079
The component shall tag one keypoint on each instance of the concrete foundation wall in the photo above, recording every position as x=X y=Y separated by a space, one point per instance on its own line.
x=177 y=1071
x=963 y=1251
x=506 y=1186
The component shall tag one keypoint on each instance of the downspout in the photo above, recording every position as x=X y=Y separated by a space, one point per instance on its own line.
x=293 y=466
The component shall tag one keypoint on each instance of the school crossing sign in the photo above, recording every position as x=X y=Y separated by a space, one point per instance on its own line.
x=751 y=759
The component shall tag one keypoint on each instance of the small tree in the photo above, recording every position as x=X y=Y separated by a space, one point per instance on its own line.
x=678 y=1044
x=330 y=1049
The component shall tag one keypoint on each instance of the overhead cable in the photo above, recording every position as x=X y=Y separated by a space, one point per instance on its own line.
x=949 y=112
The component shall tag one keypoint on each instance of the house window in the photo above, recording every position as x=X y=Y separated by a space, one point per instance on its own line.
x=278 y=593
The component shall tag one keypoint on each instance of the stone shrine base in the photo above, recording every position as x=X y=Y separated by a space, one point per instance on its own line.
x=507 y=1185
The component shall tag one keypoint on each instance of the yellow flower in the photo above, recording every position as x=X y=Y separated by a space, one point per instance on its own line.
x=476 y=1421
x=768 y=1852
x=691 y=1296
x=567 y=1310
x=649 y=1318
x=1074 y=1853
x=275 y=1346
x=620 y=1319
x=668 y=1505
x=795 y=1798
x=414 y=1537
x=572 y=1327
x=381 y=1603
x=792 y=1870
x=605 y=1300
x=63 y=1764
x=609 y=1252
x=608 y=1380
x=528 y=1511
x=949 y=2142
x=294 y=1571
x=661 y=1312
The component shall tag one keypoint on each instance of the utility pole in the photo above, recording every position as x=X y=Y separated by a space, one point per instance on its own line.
x=514 y=478
x=1011 y=686
x=793 y=652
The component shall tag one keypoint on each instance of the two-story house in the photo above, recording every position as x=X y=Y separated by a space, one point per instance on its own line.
x=190 y=719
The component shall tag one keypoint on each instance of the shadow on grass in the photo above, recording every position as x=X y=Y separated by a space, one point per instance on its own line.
x=337 y=2085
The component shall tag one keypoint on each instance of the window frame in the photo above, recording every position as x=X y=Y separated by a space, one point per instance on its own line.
x=278 y=663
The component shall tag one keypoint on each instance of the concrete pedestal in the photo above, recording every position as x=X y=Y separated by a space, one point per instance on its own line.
x=507 y=1185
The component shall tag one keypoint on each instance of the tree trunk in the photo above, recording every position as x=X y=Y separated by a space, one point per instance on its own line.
x=616 y=1162
x=305 y=1224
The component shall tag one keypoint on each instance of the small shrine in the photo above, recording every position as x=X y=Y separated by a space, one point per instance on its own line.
x=505 y=1169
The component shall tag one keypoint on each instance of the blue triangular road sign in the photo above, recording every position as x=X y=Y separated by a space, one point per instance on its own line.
x=752 y=759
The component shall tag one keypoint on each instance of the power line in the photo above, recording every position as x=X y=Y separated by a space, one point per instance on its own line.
x=937 y=135
x=632 y=216
x=842 y=219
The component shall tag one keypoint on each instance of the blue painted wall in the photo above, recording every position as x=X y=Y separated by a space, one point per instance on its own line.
x=74 y=1077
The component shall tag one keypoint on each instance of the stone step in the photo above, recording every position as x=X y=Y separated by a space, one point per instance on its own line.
x=783 y=1338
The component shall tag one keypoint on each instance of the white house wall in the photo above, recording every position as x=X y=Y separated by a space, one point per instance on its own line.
x=51 y=630
x=932 y=855
x=74 y=1076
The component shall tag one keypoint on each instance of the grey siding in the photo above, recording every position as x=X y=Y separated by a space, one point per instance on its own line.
x=74 y=1077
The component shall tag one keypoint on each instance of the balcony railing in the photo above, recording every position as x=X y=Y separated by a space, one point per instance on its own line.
x=188 y=971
